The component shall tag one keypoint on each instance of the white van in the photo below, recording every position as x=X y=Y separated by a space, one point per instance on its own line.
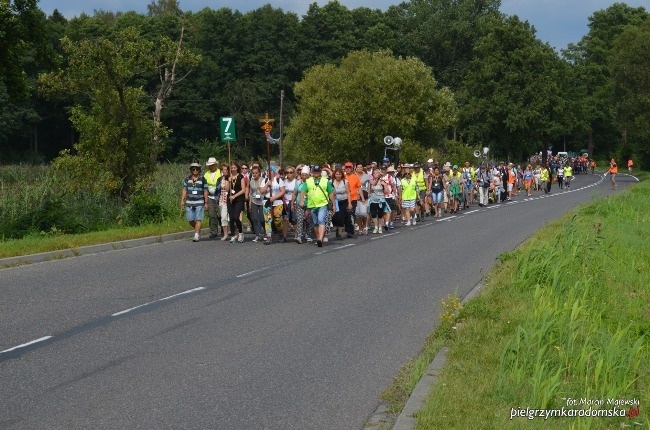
x=563 y=154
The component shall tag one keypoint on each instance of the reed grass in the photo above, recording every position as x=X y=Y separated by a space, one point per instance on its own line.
x=565 y=316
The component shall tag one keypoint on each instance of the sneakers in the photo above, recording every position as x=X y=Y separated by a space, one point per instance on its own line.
x=196 y=237
x=319 y=243
x=267 y=241
x=298 y=241
x=233 y=239
x=375 y=231
x=356 y=227
x=408 y=223
x=391 y=226
x=381 y=231
x=326 y=239
x=256 y=239
x=309 y=239
x=365 y=230
x=413 y=222
x=240 y=239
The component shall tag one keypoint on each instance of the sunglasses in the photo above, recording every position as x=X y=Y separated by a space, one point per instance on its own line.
x=195 y=168
x=290 y=172
x=244 y=167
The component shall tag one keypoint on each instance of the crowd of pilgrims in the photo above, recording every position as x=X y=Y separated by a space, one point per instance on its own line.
x=352 y=199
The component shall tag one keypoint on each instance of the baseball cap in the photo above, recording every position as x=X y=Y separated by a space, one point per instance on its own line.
x=305 y=170
x=386 y=160
x=430 y=160
x=349 y=164
x=316 y=168
x=455 y=166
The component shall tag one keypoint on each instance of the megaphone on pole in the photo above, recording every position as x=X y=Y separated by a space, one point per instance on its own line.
x=477 y=153
x=388 y=140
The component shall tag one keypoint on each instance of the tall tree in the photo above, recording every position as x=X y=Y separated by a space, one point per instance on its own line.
x=343 y=112
x=23 y=49
x=513 y=95
x=630 y=66
x=589 y=58
x=116 y=128
x=443 y=34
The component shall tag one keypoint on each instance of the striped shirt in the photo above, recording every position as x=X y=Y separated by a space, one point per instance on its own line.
x=195 y=190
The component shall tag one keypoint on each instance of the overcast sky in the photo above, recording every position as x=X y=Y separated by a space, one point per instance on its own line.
x=558 y=22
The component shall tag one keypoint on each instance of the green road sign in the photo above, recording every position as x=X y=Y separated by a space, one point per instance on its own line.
x=228 y=129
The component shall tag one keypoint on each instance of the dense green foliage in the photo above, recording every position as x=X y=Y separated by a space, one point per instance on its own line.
x=345 y=111
x=514 y=93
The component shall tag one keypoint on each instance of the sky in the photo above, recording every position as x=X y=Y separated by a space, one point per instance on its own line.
x=558 y=22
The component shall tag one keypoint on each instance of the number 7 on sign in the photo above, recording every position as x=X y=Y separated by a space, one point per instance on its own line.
x=228 y=129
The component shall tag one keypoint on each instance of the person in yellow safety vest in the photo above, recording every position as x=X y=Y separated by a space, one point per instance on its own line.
x=213 y=179
x=568 y=175
x=418 y=175
x=544 y=179
x=320 y=196
x=410 y=194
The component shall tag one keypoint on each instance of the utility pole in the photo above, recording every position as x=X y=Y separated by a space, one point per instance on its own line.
x=281 y=131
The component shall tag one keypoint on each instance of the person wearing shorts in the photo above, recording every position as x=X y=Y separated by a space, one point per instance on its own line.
x=194 y=198
x=320 y=198
x=528 y=180
x=410 y=194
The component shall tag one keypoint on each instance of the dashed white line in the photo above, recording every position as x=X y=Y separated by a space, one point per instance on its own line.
x=44 y=338
x=159 y=300
x=254 y=271
x=384 y=235
x=182 y=293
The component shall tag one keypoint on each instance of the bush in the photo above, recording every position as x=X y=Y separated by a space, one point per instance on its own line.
x=144 y=208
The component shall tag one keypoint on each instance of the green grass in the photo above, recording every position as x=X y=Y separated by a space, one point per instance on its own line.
x=35 y=244
x=564 y=316
x=35 y=216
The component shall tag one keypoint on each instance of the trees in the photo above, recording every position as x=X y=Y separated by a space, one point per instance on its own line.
x=115 y=128
x=514 y=101
x=344 y=111
x=589 y=58
x=630 y=66
x=443 y=34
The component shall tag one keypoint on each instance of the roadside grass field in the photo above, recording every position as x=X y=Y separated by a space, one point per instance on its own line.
x=562 y=322
x=32 y=206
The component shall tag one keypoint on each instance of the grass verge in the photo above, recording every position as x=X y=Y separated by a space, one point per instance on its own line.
x=563 y=321
x=36 y=243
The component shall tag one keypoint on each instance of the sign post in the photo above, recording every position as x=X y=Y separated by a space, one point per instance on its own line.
x=228 y=132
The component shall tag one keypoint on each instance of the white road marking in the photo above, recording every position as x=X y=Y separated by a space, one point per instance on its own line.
x=180 y=294
x=26 y=344
x=384 y=235
x=159 y=300
x=254 y=271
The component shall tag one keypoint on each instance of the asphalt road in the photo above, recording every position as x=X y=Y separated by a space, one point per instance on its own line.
x=212 y=335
